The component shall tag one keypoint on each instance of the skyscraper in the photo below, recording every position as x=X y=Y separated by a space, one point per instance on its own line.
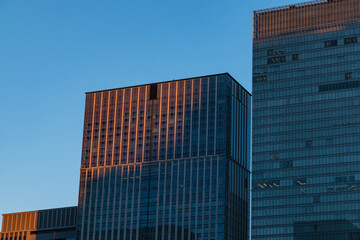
x=166 y=161
x=306 y=121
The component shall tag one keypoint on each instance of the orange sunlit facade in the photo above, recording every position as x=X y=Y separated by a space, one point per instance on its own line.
x=306 y=16
x=156 y=161
x=40 y=225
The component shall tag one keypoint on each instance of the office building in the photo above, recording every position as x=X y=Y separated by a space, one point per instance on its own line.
x=166 y=161
x=306 y=121
x=50 y=224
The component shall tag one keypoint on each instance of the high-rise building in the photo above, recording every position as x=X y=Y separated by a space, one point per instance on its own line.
x=56 y=224
x=166 y=161
x=306 y=121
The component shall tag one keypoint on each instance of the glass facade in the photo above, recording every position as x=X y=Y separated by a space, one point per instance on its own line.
x=57 y=223
x=306 y=122
x=166 y=161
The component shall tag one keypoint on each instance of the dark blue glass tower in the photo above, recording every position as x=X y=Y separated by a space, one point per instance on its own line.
x=306 y=122
x=166 y=161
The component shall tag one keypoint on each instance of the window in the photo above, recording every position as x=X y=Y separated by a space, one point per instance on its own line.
x=309 y=143
x=286 y=164
x=274 y=60
x=267 y=185
x=295 y=57
x=302 y=191
x=260 y=79
x=350 y=40
x=348 y=76
x=339 y=86
x=271 y=52
x=274 y=156
x=316 y=199
x=331 y=43
x=344 y=178
x=153 y=91
x=300 y=182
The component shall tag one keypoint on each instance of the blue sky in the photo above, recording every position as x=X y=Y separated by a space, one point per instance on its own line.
x=52 y=52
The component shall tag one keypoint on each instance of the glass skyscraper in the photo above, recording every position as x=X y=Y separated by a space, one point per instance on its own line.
x=165 y=161
x=306 y=122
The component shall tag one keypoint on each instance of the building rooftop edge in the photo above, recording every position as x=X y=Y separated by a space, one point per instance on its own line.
x=175 y=80
x=290 y=6
x=38 y=210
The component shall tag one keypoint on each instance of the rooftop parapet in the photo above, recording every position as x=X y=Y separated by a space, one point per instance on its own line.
x=304 y=16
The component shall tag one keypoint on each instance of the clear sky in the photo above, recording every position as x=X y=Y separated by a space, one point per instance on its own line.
x=53 y=51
